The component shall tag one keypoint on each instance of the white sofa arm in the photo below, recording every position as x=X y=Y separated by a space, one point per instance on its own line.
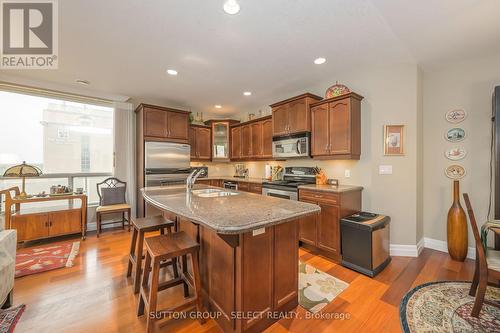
x=8 y=240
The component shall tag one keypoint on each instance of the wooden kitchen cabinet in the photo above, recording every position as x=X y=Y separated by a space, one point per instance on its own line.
x=267 y=138
x=293 y=115
x=320 y=138
x=336 y=127
x=321 y=233
x=243 y=186
x=235 y=143
x=155 y=123
x=246 y=141
x=328 y=226
x=221 y=138
x=280 y=119
x=308 y=228
x=164 y=124
x=200 y=140
x=252 y=140
x=256 y=138
x=255 y=188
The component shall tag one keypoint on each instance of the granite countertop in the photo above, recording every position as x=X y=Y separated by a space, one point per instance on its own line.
x=229 y=214
x=331 y=188
x=238 y=179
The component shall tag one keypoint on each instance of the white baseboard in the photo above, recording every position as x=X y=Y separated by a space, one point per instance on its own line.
x=442 y=246
x=401 y=250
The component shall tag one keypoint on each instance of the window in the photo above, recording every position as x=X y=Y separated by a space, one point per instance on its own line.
x=70 y=140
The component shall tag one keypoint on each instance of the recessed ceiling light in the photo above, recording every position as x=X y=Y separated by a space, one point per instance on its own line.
x=319 y=61
x=171 y=72
x=247 y=93
x=231 y=7
x=218 y=106
x=83 y=82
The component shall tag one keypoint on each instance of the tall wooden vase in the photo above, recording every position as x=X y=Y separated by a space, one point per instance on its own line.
x=457 y=227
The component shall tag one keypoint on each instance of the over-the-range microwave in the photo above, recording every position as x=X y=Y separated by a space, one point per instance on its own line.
x=295 y=145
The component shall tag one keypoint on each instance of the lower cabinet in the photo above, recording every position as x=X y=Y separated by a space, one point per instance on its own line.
x=243 y=186
x=44 y=225
x=308 y=228
x=322 y=232
x=246 y=276
x=255 y=188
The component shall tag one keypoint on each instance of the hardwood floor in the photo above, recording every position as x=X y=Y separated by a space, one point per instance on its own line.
x=95 y=296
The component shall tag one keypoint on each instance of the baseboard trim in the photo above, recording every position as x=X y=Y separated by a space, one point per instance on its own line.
x=401 y=250
x=442 y=246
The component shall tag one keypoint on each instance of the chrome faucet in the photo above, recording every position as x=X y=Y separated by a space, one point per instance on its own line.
x=193 y=176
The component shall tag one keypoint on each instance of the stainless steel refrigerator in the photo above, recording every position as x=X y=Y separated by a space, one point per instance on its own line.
x=165 y=164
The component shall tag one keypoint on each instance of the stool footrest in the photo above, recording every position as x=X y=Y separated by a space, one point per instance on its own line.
x=170 y=283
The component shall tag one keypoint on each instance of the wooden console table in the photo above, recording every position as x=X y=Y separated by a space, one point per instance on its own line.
x=45 y=222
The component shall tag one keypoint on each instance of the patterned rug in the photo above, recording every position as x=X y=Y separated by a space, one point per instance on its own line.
x=41 y=259
x=10 y=317
x=316 y=288
x=445 y=306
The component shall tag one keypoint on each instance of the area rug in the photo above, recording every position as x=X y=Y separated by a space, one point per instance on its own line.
x=445 y=306
x=10 y=317
x=316 y=288
x=41 y=259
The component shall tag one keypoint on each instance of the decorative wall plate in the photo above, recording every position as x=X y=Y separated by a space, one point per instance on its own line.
x=455 y=171
x=455 y=134
x=456 y=116
x=337 y=90
x=455 y=154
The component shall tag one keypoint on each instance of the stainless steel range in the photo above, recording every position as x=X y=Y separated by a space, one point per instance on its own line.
x=287 y=188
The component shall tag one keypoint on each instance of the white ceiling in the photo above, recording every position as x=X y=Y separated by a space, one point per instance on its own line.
x=124 y=46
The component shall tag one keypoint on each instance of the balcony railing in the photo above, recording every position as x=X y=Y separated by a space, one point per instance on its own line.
x=87 y=181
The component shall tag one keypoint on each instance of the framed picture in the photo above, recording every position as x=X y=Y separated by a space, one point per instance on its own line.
x=455 y=154
x=456 y=116
x=455 y=134
x=455 y=171
x=394 y=140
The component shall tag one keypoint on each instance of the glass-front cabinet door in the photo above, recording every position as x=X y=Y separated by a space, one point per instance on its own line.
x=220 y=140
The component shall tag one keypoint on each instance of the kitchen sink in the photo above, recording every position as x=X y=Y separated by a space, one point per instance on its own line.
x=212 y=193
x=205 y=191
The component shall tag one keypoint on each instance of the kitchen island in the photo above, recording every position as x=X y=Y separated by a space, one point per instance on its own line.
x=249 y=250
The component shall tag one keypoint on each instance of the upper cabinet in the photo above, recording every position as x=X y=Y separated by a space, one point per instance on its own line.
x=200 y=138
x=267 y=138
x=221 y=137
x=252 y=140
x=293 y=115
x=336 y=127
x=164 y=124
x=236 y=143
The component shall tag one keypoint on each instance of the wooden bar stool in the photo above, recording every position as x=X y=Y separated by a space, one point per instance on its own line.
x=141 y=226
x=160 y=248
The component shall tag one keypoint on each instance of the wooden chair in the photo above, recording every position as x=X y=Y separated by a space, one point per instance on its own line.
x=487 y=265
x=111 y=201
x=159 y=249
x=141 y=226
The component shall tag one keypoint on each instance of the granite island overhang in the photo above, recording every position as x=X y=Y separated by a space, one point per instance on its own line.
x=248 y=251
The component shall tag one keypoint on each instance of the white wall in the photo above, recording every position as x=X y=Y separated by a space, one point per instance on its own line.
x=468 y=85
